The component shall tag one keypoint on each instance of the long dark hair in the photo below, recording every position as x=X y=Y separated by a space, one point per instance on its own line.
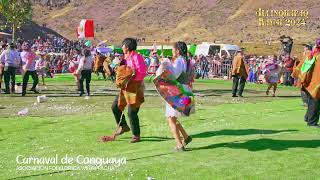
x=183 y=50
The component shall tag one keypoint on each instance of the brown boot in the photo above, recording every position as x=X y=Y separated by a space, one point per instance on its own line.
x=122 y=129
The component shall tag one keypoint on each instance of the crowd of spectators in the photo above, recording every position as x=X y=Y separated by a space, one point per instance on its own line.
x=220 y=67
x=60 y=52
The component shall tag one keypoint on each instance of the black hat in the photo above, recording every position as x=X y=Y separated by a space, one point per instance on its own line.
x=308 y=45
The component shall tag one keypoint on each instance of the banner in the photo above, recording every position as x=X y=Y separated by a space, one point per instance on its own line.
x=85 y=29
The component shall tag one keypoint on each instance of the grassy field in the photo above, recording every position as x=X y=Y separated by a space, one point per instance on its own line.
x=256 y=137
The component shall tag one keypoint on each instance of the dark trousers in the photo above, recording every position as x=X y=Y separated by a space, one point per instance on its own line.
x=312 y=114
x=288 y=80
x=35 y=79
x=236 y=79
x=85 y=75
x=10 y=74
x=204 y=73
x=132 y=114
x=100 y=69
x=304 y=96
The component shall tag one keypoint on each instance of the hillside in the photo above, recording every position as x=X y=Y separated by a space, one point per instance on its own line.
x=196 y=21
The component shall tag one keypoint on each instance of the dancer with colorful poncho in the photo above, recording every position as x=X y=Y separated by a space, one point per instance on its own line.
x=272 y=73
x=297 y=73
x=132 y=94
x=173 y=82
x=310 y=80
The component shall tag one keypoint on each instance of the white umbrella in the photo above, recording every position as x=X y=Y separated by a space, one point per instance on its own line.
x=104 y=50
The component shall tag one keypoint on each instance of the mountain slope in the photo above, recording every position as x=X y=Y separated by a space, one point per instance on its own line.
x=194 y=21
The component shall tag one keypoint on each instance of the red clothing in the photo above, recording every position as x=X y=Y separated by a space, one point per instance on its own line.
x=315 y=51
x=288 y=64
x=59 y=65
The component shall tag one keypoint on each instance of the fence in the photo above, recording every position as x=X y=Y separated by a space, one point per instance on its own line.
x=221 y=69
x=217 y=69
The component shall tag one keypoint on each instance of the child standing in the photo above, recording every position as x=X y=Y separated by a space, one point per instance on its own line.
x=41 y=66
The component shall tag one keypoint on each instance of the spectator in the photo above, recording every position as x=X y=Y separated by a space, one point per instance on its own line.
x=288 y=64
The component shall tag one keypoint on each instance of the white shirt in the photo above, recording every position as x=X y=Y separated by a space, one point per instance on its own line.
x=40 y=64
x=179 y=66
x=10 y=57
x=85 y=63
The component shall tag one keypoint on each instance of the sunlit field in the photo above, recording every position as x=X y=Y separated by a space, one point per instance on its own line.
x=255 y=137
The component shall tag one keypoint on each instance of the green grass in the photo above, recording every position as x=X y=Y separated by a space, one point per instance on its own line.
x=256 y=137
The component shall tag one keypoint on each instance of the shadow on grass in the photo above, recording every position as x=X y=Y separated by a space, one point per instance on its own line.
x=220 y=92
x=152 y=138
x=151 y=156
x=293 y=96
x=238 y=132
x=265 y=144
x=249 y=114
x=155 y=139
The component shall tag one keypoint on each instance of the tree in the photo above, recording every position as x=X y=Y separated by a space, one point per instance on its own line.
x=16 y=12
